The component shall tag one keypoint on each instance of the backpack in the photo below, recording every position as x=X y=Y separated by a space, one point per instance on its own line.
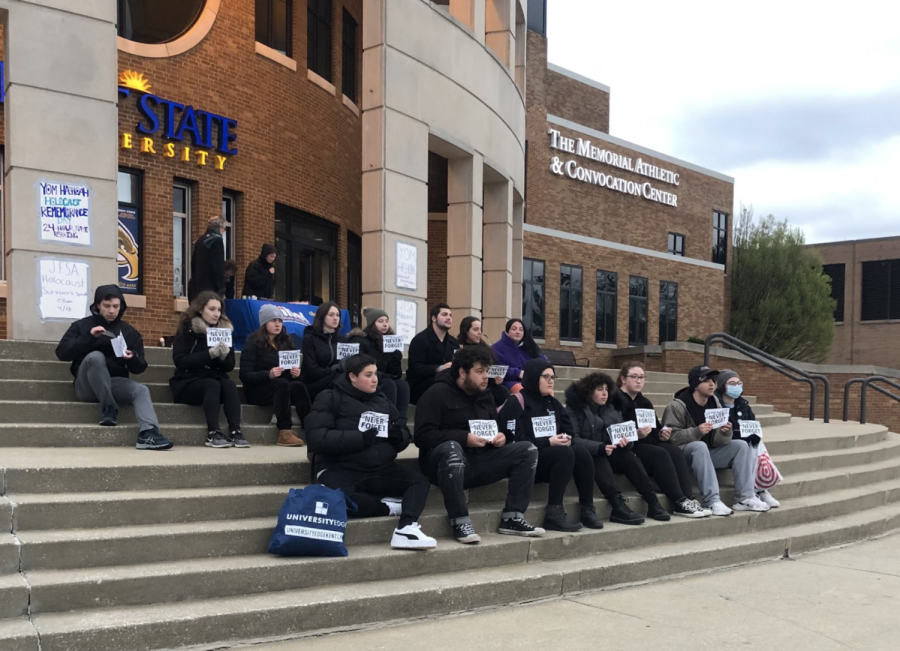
x=312 y=522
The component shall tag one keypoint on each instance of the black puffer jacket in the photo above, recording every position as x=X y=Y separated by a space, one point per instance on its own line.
x=589 y=422
x=332 y=429
x=626 y=405
x=78 y=342
x=256 y=362
x=191 y=356
x=533 y=405
x=426 y=353
x=389 y=364
x=259 y=280
x=319 y=360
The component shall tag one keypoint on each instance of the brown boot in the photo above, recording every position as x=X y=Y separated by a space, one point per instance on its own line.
x=288 y=439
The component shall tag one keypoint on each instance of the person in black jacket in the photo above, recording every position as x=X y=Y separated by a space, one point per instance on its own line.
x=539 y=418
x=201 y=371
x=456 y=458
x=266 y=383
x=101 y=375
x=662 y=460
x=430 y=352
x=470 y=334
x=390 y=365
x=208 y=261
x=356 y=434
x=259 y=278
x=321 y=366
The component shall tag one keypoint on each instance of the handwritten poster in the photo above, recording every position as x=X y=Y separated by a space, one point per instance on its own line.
x=406 y=319
x=65 y=213
x=215 y=335
x=407 y=266
x=63 y=289
x=288 y=359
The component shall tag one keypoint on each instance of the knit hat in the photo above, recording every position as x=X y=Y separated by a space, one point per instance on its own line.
x=700 y=374
x=372 y=314
x=268 y=312
x=723 y=377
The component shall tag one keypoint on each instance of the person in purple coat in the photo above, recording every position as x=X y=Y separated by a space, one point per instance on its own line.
x=515 y=349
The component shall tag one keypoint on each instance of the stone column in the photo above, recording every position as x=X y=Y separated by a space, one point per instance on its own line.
x=499 y=26
x=498 y=259
x=464 y=223
x=517 y=255
x=61 y=128
x=470 y=13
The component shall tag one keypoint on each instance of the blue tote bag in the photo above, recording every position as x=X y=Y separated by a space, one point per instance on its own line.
x=312 y=522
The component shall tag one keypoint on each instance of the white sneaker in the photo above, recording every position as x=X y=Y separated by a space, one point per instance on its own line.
x=751 y=504
x=394 y=504
x=706 y=511
x=766 y=496
x=720 y=509
x=411 y=537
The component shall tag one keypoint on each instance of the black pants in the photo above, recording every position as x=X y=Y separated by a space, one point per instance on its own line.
x=212 y=392
x=498 y=392
x=668 y=467
x=558 y=464
x=455 y=468
x=283 y=394
x=625 y=462
x=397 y=393
x=367 y=489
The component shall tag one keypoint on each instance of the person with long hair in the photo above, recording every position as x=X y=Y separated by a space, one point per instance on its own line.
x=390 y=365
x=321 y=366
x=266 y=383
x=470 y=334
x=201 y=371
x=515 y=349
x=662 y=460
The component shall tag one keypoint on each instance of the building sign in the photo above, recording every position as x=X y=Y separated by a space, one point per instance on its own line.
x=65 y=212
x=583 y=148
x=129 y=253
x=174 y=130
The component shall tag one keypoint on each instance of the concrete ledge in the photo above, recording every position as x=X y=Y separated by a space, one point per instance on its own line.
x=275 y=55
x=571 y=344
x=639 y=350
x=3 y=289
x=350 y=105
x=180 y=304
x=321 y=82
x=137 y=301
x=605 y=346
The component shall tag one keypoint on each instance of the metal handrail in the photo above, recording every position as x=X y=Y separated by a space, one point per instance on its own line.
x=866 y=381
x=776 y=364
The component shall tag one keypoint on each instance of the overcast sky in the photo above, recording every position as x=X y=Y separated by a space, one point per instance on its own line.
x=798 y=101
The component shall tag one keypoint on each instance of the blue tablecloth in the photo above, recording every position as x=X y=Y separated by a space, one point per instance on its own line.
x=244 y=314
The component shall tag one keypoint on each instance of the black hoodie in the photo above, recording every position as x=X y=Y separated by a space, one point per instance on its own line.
x=78 y=341
x=259 y=280
x=533 y=405
x=589 y=422
x=626 y=405
x=207 y=265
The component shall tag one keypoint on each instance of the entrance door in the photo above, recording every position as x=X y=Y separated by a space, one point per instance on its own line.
x=306 y=266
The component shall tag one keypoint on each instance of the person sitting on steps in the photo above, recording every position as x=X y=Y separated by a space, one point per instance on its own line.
x=101 y=375
x=321 y=366
x=390 y=365
x=470 y=334
x=266 y=383
x=430 y=352
x=356 y=435
x=515 y=349
x=201 y=371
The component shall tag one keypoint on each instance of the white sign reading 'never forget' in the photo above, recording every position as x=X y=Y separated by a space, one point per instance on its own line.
x=347 y=350
x=645 y=418
x=497 y=371
x=717 y=417
x=484 y=429
x=288 y=359
x=216 y=335
x=391 y=343
x=620 y=431
x=750 y=428
x=373 y=420
x=544 y=426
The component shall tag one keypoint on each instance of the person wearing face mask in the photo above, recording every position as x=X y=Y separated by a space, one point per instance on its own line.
x=201 y=371
x=470 y=334
x=515 y=349
x=390 y=365
x=729 y=389
x=536 y=416
x=320 y=365
x=356 y=435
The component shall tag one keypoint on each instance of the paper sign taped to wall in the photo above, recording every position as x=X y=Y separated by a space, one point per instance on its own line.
x=497 y=371
x=717 y=417
x=288 y=359
x=63 y=289
x=373 y=420
x=645 y=418
x=620 y=431
x=484 y=429
x=216 y=335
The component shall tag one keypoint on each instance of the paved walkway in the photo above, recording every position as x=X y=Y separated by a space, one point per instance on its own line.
x=846 y=598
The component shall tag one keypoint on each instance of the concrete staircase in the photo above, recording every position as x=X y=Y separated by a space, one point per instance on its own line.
x=116 y=549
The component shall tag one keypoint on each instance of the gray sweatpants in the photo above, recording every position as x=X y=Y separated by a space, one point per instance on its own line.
x=704 y=460
x=94 y=384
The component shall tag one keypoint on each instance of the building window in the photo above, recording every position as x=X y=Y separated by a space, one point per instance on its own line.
x=354 y=279
x=306 y=264
x=607 y=282
x=569 y=303
x=720 y=237
x=533 y=296
x=318 y=37
x=880 y=290
x=668 y=311
x=129 y=254
x=157 y=21
x=273 y=24
x=637 y=311
x=837 y=274
x=181 y=231
x=229 y=214
x=348 y=57
x=676 y=244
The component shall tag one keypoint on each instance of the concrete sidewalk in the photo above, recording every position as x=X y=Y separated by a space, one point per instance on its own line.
x=846 y=598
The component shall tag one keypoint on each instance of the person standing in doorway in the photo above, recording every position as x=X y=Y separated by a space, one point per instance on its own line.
x=430 y=352
x=259 y=278
x=208 y=261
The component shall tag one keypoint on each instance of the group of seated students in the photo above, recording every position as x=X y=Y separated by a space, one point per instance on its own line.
x=471 y=430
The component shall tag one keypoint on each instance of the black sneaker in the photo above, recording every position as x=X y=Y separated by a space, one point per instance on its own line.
x=464 y=533
x=688 y=508
x=622 y=514
x=217 y=440
x=153 y=440
x=238 y=440
x=655 y=510
x=110 y=417
x=517 y=526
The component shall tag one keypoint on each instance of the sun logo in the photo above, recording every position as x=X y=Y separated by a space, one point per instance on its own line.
x=134 y=80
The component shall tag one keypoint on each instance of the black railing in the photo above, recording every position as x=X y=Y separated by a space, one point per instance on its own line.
x=770 y=361
x=866 y=381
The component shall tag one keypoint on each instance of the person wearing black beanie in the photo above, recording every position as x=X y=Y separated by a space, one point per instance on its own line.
x=259 y=279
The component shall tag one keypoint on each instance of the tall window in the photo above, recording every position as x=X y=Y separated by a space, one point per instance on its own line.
x=676 y=244
x=129 y=254
x=570 y=283
x=181 y=241
x=156 y=21
x=720 y=237
x=318 y=37
x=354 y=278
x=533 y=296
x=348 y=57
x=637 y=311
x=880 y=290
x=229 y=214
x=306 y=264
x=837 y=274
x=668 y=311
x=607 y=282
x=273 y=24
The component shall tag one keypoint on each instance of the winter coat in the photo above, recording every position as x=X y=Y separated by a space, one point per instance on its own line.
x=259 y=280
x=426 y=353
x=320 y=367
x=740 y=410
x=389 y=365
x=517 y=413
x=626 y=405
x=191 y=356
x=332 y=429
x=207 y=266
x=444 y=412
x=590 y=422
x=78 y=342
x=684 y=429
x=509 y=353
x=256 y=362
